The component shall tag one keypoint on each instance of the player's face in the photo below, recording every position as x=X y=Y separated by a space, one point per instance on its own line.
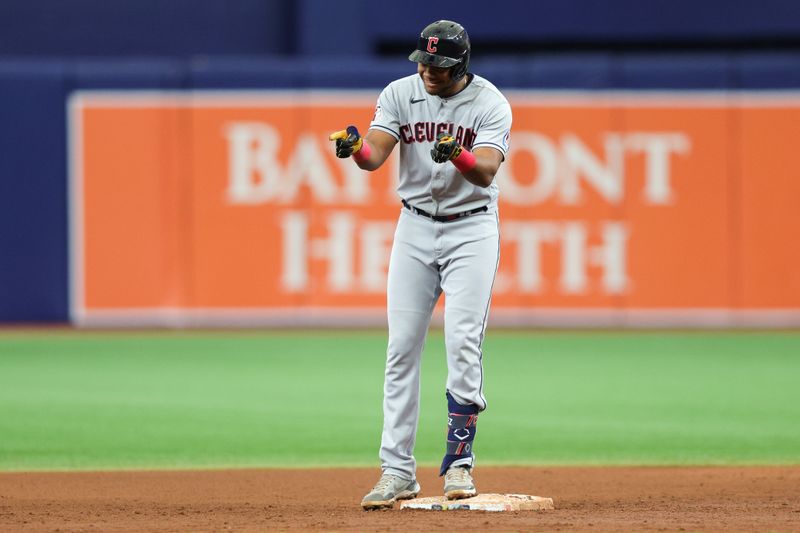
x=438 y=81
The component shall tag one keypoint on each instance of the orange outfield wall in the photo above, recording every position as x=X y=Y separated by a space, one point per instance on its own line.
x=217 y=207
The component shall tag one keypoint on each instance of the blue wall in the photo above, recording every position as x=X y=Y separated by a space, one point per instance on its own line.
x=356 y=27
x=49 y=48
x=606 y=20
x=33 y=214
x=144 y=27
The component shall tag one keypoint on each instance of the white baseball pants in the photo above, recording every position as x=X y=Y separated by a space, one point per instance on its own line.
x=458 y=258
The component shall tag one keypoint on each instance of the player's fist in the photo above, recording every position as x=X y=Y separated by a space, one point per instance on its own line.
x=445 y=148
x=348 y=141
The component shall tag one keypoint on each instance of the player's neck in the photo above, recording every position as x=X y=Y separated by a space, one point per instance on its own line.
x=457 y=87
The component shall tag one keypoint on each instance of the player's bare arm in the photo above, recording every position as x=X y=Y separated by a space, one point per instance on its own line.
x=487 y=163
x=369 y=152
x=382 y=145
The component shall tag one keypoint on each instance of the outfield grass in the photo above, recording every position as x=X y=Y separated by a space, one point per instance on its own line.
x=78 y=400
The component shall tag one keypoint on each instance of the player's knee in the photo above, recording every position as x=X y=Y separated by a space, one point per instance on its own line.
x=463 y=342
x=402 y=345
x=406 y=334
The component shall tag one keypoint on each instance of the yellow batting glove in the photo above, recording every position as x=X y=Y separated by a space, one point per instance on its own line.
x=348 y=141
x=445 y=148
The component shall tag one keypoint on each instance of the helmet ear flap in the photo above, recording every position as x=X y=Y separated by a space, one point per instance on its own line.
x=460 y=70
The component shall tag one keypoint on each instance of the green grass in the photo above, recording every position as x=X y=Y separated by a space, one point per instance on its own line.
x=82 y=400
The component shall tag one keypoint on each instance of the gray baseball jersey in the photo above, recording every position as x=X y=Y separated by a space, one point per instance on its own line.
x=457 y=258
x=477 y=116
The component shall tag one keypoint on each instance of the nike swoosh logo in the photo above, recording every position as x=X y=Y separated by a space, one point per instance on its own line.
x=417 y=101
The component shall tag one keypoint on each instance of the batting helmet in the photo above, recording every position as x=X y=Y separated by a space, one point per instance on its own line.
x=444 y=44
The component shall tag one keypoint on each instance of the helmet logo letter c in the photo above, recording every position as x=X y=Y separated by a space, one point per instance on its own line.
x=432 y=44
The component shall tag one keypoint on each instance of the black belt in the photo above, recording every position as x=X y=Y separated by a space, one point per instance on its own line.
x=443 y=218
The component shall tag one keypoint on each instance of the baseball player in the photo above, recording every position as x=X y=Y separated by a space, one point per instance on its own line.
x=453 y=128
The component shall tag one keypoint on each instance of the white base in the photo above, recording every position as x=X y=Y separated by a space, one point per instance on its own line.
x=482 y=502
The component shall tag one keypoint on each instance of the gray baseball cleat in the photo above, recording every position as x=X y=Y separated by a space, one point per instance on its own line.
x=458 y=483
x=389 y=489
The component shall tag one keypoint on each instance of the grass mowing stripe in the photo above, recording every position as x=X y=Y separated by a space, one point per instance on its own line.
x=652 y=398
x=79 y=400
x=175 y=402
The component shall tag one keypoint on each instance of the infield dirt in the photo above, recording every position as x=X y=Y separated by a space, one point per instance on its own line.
x=586 y=499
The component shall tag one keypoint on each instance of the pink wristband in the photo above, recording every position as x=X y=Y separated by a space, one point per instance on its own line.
x=363 y=154
x=465 y=161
